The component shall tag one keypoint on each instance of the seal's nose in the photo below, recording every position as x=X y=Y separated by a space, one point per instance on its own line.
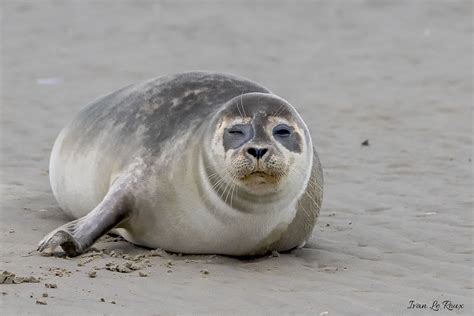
x=257 y=152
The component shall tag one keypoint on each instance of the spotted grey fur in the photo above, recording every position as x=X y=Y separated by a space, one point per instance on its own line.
x=128 y=161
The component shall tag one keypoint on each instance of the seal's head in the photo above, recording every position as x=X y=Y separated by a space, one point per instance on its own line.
x=260 y=143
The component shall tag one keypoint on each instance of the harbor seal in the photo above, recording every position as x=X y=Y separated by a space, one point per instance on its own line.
x=195 y=163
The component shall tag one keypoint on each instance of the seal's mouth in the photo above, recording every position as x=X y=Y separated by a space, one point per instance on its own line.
x=258 y=173
x=259 y=177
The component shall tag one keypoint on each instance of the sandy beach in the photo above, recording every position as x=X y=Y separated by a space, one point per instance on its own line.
x=397 y=218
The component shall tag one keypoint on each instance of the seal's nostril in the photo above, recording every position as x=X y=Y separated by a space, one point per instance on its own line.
x=261 y=152
x=257 y=152
x=252 y=151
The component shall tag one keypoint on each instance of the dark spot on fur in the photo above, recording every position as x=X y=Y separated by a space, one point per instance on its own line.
x=197 y=96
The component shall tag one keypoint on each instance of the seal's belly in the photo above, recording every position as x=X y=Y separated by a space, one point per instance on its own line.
x=81 y=177
x=74 y=178
x=199 y=231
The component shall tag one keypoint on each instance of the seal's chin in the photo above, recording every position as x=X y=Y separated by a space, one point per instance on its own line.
x=258 y=179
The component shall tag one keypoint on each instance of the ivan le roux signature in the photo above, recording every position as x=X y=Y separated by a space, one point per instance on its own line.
x=436 y=306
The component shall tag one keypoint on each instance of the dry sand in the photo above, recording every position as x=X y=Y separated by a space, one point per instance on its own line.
x=397 y=221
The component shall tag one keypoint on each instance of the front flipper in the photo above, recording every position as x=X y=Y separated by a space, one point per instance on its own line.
x=77 y=236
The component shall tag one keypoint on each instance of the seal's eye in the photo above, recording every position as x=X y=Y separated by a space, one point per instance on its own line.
x=282 y=130
x=236 y=135
x=236 y=130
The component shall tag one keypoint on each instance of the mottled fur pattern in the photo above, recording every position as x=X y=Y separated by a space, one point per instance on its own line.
x=149 y=160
